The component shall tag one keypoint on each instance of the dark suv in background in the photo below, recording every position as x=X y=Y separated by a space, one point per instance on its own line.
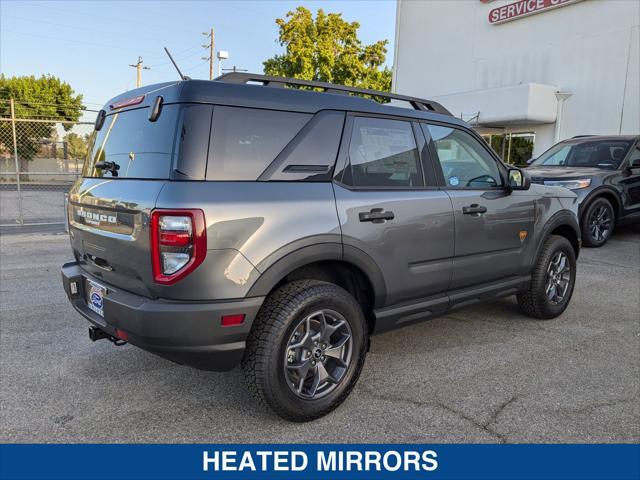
x=604 y=171
x=248 y=220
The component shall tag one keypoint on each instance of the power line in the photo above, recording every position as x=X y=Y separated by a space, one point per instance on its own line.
x=68 y=40
x=101 y=17
x=112 y=32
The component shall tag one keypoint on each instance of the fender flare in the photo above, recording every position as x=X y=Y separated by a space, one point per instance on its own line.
x=318 y=252
x=617 y=204
x=561 y=218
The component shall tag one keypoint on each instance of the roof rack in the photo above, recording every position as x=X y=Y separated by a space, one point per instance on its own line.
x=281 y=82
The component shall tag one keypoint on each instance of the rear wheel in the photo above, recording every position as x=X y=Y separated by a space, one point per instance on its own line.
x=552 y=280
x=306 y=349
x=597 y=223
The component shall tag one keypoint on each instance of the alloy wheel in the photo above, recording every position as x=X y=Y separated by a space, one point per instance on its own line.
x=600 y=223
x=318 y=354
x=558 y=278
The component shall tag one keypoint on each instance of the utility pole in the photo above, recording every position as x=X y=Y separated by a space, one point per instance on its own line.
x=211 y=56
x=138 y=66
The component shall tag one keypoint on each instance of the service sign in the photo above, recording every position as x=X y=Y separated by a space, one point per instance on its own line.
x=522 y=8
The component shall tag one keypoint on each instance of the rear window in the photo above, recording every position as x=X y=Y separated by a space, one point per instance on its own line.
x=140 y=148
x=244 y=141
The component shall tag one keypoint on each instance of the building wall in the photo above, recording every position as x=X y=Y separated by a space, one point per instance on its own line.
x=589 y=48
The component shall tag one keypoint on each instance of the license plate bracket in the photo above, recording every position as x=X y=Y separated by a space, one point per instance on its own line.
x=95 y=294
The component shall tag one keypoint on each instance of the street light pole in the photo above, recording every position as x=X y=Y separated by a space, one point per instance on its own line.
x=222 y=55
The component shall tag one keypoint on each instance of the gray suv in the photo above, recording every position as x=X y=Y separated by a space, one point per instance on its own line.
x=278 y=224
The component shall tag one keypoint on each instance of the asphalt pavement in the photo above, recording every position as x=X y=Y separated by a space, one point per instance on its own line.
x=483 y=374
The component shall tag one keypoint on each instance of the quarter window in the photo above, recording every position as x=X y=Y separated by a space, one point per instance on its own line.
x=464 y=161
x=383 y=153
x=244 y=141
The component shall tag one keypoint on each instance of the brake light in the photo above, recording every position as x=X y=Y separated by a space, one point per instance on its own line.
x=178 y=243
x=127 y=102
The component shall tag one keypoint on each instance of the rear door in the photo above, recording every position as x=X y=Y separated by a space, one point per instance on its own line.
x=390 y=209
x=130 y=158
x=493 y=226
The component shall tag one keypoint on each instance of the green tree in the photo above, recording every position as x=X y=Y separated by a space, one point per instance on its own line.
x=328 y=49
x=76 y=145
x=44 y=98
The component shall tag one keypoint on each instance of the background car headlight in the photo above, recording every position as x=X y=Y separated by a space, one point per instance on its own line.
x=570 y=184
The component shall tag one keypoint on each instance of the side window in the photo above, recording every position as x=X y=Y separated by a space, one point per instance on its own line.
x=193 y=140
x=311 y=156
x=634 y=158
x=464 y=161
x=244 y=141
x=383 y=153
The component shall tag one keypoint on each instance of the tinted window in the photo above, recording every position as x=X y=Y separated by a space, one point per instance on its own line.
x=244 y=141
x=598 y=154
x=312 y=155
x=383 y=153
x=192 y=142
x=142 y=149
x=465 y=162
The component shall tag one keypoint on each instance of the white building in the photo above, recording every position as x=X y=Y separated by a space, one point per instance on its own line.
x=537 y=70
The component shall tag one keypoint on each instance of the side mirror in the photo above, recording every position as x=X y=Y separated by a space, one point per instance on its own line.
x=519 y=179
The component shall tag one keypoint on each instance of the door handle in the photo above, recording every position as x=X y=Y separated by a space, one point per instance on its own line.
x=99 y=262
x=376 y=215
x=474 y=208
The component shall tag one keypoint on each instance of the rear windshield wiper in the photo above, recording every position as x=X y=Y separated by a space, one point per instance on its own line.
x=112 y=167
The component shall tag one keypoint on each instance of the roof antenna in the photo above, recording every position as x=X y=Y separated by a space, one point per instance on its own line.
x=182 y=77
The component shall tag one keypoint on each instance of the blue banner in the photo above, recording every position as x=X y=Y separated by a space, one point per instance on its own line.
x=227 y=461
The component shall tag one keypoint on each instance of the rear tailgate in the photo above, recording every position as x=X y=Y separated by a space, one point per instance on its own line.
x=109 y=227
x=129 y=159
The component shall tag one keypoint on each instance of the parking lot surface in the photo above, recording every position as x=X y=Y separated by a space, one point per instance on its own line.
x=482 y=374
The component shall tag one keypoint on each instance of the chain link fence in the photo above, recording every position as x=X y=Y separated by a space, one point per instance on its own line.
x=39 y=161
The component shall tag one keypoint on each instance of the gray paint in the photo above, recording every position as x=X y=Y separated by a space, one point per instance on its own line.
x=428 y=258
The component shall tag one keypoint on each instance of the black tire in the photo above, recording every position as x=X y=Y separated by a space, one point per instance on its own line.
x=535 y=301
x=597 y=223
x=268 y=347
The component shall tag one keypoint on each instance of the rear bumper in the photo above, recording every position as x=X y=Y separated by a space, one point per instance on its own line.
x=189 y=333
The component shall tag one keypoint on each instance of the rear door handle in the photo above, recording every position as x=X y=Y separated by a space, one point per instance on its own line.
x=376 y=215
x=474 y=208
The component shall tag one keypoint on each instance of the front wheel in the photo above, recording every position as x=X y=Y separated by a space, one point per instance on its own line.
x=306 y=349
x=552 y=280
x=597 y=223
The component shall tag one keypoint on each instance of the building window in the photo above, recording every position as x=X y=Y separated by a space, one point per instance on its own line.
x=514 y=148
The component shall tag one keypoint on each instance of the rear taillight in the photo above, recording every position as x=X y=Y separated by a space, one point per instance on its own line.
x=178 y=243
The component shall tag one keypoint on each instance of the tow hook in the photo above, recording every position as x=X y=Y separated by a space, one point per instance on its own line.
x=96 y=334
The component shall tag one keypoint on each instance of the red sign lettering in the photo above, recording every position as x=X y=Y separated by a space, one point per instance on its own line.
x=523 y=8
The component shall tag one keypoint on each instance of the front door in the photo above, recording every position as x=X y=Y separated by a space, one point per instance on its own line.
x=390 y=208
x=630 y=182
x=493 y=225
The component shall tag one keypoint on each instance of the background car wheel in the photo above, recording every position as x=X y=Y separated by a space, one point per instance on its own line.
x=597 y=223
x=552 y=280
x=306 y=349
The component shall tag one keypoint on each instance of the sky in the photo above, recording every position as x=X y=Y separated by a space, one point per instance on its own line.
x=90 y=44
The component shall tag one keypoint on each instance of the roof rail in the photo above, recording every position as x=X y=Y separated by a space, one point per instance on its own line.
x=280 y=82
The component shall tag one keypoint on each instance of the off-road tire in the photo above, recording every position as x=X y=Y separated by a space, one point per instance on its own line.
x=587 y=239
x=534 y=301
x=262 y=363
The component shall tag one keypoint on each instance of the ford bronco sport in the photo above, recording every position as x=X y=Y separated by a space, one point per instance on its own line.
x=278 y=224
